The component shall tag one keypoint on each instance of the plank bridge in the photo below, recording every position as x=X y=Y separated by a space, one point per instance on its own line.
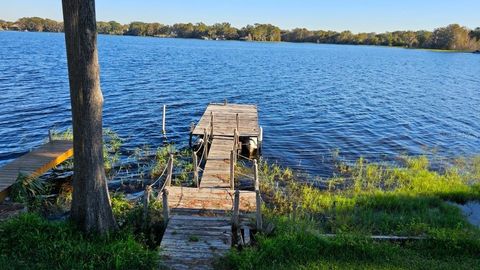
x=203 y=220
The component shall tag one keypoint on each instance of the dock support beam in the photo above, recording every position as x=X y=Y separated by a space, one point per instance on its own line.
x=236 y=140
x=205 y=143
x=237 y=119
x=50 y=136
x=211 y=124
x=195 y=169
x=258 y=197
x=146 y=202
x=163 y=119
x=166 y=210
x=232 y=170
x=169 y=171
x=236 y=210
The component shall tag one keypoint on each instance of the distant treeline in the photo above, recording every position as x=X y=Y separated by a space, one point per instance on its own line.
x=452 y=37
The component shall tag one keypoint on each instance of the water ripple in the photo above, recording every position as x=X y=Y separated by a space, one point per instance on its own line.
x=365 y=101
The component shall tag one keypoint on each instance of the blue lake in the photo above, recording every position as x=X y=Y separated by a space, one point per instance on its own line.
x=365 y=101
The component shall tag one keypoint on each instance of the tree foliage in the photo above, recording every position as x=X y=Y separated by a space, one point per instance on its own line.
x=451 y=37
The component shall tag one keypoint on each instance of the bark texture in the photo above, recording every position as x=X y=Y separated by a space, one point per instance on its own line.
x=91 y=208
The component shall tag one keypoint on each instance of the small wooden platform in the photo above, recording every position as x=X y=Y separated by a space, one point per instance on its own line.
x=225 y=120
x=35 y=163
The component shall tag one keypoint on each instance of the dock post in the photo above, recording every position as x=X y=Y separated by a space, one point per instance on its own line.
x=235 y=143
x=205 y=143
x=192 y=128
x=166 y=210
x=237 y=119
x=195 y=169
x=232 y=170
x=260 y=139
x=50 y=136
x=211 y=124
x=258 y=197
x=236 y=210
x=146 y=202
x=163 y=119
x=169 y=170
x=255 y=175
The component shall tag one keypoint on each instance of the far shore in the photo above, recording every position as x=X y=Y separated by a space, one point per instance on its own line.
x=257 y=41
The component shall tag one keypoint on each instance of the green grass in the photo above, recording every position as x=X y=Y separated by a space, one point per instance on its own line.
x=130 y=216
x=297 y=246
x=31 y=242
x=365 y=199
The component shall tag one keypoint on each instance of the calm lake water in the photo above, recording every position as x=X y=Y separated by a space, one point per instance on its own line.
x=364 y=101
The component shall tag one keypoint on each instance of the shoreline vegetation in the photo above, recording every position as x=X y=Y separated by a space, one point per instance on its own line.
x=323 y=225
x=452 y=37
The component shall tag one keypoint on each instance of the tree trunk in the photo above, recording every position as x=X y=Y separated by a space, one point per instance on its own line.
x=91 y=208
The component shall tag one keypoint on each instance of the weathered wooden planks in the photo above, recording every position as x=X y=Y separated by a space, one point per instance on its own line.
x=200 y=228
x=35 y=163
x=208 y=199
x=225 y=120
x=216 y=173
x=193 y=242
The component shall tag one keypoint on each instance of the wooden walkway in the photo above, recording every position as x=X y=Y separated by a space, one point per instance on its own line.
x=200 y=226
x=216 y=173
x=35 y=163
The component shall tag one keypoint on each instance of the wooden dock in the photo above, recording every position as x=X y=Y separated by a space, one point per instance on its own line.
x=225 y=120
x=200 y=225
x=35 y=163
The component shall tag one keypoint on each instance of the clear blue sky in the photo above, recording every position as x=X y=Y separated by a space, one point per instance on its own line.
x=355 y=15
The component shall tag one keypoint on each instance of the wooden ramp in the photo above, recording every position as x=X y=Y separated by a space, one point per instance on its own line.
x=35 y=163
x=200 y=227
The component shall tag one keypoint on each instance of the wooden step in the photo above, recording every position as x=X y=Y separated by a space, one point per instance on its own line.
x=209 y=199
x=193 y=242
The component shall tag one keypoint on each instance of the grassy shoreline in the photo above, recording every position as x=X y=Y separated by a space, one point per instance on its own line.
x=363 y=200
x=360 y=200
